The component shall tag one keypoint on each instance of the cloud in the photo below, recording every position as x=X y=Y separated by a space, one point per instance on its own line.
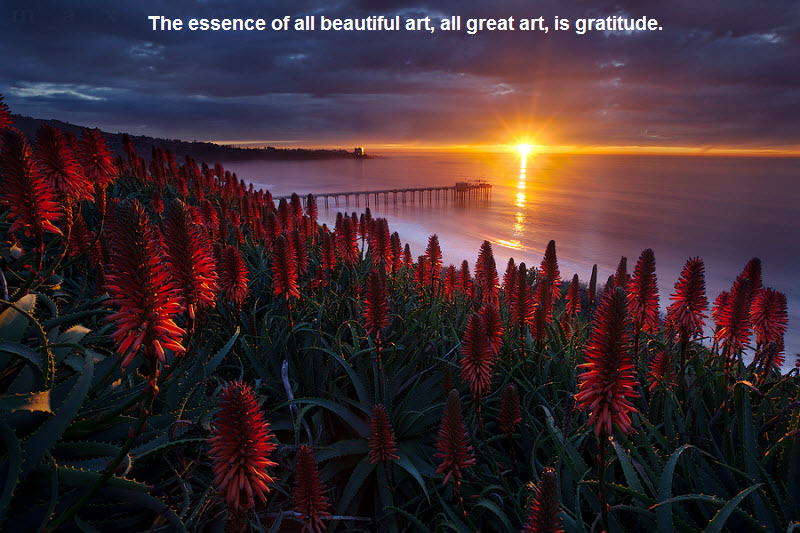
x=715 y=75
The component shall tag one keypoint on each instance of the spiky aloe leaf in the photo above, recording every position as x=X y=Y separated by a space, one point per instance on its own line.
x=34 y=401
x=29 y=354
x=13 y=323
x=146 y=501
x=51 y=430
x=76 y=477
x=359 y=425
x=73 y=335
x=664 y=512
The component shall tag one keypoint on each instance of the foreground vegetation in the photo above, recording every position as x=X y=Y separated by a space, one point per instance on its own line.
x=179 y=353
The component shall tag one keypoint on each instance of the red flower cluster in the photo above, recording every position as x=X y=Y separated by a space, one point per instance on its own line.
x=486 y=274
x=140 y=287
x=309 y=492
x=453 y=445
x=689 y=300
x=28 y=196
x=382 y=446
x=544 y=513
x=477 y=356
x=240 y=446
x=643 y=293
x=549 y=268
x=608 y=384
x=509 y=414
x=58 y=165
x=190 y=258
x=376 y=308
x=233 y=275
x=769 y=316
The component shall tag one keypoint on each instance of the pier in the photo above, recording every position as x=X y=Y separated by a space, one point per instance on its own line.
x=462 y=191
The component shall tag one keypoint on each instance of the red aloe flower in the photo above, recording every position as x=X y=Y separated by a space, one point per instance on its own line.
x=544 y=513
x=311 y=208
x=621 y=276
x=284 y=273
x=380 y=244
x=453 y=444
x=190 y=258
x=58 y=165
x=408 y=259
x=155 y=202
x=328 y=252
x=544 y=298
x=493 y=325
x=140 y=287
x=592 y=289
x=354 y=220
x=643 y=293
x=295 y=210
x=486 y=274
x=382 y=445
x=549 y=268
x=309 y=492
x=5 y=117
x=509 y=281
x=522 y=308
x=376 y=308
x=573 y=306
x=284 y=216
x=240 y=446
x=752 y=271
x=719 y=307
x=233 y=275
x=477 y=356
x=769 y=315
x=433 y=253
x=734 y=324
x=421 y=273
x=539 y=323
x=447 y=379
x=346 y=242
x=689 y=300
x=509 y=414
x=208 y=215
x=662 y=370
x=271 y=228
x=397 y=253
x=450 y=282
x=300 y=251
x=608 y=383
x=95 y=157
x=29 y=198
x=466 y=279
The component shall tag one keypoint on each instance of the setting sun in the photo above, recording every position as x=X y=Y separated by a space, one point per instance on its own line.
x=524 y=149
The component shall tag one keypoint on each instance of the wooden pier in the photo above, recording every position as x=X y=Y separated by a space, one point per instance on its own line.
x=462 y=191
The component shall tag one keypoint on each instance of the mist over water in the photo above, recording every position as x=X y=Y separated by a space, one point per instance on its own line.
x=597 y=208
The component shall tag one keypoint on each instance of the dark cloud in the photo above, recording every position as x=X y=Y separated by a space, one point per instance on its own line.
x=718 y=74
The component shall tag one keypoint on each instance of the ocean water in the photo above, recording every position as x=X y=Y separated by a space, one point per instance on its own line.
x=596 y=207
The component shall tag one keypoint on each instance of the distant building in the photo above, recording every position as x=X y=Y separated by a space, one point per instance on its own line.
x=359 y=151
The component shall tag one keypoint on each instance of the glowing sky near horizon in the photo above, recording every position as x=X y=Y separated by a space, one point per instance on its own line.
x=719 y=75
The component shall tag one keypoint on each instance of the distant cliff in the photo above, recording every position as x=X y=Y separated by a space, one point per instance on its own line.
x=200 y=151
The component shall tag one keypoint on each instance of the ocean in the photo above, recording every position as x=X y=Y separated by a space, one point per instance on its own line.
x=596 y=207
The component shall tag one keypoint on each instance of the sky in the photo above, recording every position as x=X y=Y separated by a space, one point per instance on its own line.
x=718 y=75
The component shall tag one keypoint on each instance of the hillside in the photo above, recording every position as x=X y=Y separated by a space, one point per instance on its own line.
x=200 y=151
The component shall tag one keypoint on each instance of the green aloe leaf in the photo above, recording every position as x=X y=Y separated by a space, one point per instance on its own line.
x=34 y=401
x=51 y=430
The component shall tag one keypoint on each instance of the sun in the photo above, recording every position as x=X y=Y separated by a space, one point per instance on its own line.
x=524 y=149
